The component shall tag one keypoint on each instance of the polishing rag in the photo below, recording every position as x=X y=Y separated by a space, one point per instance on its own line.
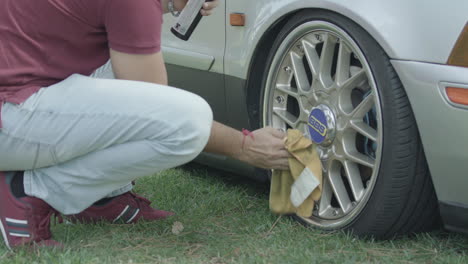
x=296 y=190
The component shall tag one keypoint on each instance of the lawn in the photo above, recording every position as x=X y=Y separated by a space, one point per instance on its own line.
x=226 y=220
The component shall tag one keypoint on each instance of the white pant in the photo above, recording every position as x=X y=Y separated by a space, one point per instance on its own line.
x=86 y=138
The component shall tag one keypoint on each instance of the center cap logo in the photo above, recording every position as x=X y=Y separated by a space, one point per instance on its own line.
x=317 y=125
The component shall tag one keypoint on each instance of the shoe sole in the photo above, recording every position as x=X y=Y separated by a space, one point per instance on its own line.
x=5 y=238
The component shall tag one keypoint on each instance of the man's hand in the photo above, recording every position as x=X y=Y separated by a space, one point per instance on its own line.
x=180 y=4
x=209 y=7
x=265 y=149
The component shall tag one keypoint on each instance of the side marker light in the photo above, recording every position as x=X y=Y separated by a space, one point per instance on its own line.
x=237 y=19
x=457 y=95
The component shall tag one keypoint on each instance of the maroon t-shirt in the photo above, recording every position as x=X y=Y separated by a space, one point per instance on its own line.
x=42 y=42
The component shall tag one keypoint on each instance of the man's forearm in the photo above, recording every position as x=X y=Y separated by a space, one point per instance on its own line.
x=264 y=148
x=225 y=141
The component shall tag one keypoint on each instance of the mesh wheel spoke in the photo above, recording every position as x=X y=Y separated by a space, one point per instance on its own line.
x=361 y=159
x=364 y=129
x=312 y=58
x=343 y=65
x=325 y=199
x=339 y=190
x=287 y=90
x=355 y=180
x=364 y=107
x=299 y=72
x=326 y=60
x=351 y=83
x=287 y=117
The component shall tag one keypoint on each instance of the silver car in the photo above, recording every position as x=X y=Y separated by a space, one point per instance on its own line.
x=381 y=87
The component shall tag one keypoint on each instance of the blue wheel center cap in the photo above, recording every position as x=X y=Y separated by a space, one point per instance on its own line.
x=318 y=126
x=322 y=125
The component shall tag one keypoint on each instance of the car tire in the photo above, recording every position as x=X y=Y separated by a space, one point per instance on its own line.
x=394 y=195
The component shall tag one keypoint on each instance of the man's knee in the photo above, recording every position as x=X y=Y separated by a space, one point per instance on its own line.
x=190 y=127
x=199 y=122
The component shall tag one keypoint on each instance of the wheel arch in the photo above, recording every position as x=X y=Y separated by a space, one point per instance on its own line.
x=391 y=24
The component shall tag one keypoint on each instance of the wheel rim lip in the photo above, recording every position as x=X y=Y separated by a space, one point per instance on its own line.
x=283 y=50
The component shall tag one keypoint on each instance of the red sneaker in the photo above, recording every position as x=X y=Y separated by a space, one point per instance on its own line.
x=126 y=208
x=25 y=220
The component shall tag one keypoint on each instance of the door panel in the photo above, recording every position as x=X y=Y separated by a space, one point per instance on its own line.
x=188 y=59
x=197 y=65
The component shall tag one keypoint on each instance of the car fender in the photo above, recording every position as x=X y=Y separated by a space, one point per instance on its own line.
x=407 y=30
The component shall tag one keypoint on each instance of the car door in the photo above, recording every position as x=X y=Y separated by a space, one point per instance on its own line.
x=196 y=65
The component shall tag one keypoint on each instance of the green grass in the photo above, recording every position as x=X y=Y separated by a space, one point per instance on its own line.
x=226 y=220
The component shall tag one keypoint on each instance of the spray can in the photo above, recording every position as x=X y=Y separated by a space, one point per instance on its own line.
x=188 y=19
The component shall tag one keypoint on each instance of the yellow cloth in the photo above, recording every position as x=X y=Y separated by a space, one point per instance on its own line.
x=304 y=156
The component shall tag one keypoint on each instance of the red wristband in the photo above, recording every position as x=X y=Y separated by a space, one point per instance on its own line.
x=246 y=133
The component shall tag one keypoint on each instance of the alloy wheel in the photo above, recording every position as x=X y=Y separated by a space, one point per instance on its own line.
x=321 y=83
